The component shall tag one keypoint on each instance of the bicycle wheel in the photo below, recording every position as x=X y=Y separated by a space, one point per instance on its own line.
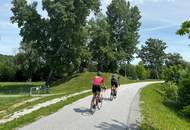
x=99 y=102
x=111 y=95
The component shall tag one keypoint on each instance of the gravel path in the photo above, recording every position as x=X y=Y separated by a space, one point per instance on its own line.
x=120 y=114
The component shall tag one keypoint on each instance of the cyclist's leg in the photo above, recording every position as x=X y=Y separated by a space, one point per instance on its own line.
x=113 y=89
x=116 y=86
x=94 y=96
x=99 y=92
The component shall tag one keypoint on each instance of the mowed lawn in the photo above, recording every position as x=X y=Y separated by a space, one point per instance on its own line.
x=157 y=116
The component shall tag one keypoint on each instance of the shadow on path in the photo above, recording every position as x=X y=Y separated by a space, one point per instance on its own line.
x=84 y=111
x=115 y=125
x=106 y=99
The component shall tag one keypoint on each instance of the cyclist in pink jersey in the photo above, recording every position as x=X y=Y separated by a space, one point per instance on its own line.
x=97 y=82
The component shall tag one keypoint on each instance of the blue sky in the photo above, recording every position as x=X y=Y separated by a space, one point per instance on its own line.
x=160 y=19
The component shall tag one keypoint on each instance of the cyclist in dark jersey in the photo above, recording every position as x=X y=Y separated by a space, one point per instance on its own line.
x=114 y=82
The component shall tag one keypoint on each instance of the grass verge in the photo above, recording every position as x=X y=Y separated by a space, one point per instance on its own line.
x=42 y=112
x=6 y=104
x=157 y=116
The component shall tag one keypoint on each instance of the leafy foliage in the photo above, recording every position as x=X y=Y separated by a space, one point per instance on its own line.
x=185 y=29
x=7 y=68
x=184 y=91
x=174 y=59
x=153 y=55
x=170 y=92
x=58 y=39
x=142 y=72
x=124 y=23
x=100 y=45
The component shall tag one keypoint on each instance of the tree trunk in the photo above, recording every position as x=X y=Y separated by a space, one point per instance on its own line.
x=49 y=78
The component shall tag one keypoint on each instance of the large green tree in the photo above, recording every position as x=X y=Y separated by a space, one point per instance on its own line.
x=153 y=55
x=100 y=46
x=59 y=38
x=124 y=23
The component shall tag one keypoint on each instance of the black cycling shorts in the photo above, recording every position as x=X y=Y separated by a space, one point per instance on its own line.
x=114 y=84
x=96 y=88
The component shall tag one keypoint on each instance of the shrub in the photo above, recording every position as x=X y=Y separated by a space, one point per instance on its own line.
x=170 y=92
x=184 y=91
x=186 y=111
x=172 y=73
x=142 y=73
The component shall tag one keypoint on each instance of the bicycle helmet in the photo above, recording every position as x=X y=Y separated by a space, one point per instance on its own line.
x=99 y=73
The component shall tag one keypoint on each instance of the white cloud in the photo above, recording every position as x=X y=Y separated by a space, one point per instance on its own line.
x=158 y=28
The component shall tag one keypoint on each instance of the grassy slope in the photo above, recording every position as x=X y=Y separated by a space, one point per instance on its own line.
x=158 y=116
x=83 y=81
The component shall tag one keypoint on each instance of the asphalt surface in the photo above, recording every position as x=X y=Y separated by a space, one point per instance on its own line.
x=120 y=114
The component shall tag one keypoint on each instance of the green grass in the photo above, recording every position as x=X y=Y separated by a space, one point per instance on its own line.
x=17 y=87
x=40 y=113
x=6 y=104
x=157 y=116
x=82 y=82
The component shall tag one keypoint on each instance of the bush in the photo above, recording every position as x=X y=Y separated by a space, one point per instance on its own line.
x=186 y=111
x=184 y=92
x=170 y=92
x=142 y=73
x=172 y=73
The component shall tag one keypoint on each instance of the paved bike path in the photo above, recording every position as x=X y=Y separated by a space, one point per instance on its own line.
x=120 y=114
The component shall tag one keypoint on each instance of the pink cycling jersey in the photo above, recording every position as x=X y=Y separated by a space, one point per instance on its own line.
x=98 y=80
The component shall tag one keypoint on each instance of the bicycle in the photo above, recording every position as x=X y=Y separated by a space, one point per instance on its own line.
x=113 y=93
x=97 y=101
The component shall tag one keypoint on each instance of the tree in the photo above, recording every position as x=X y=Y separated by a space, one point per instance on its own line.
x=58 y=39
x=7 y=68
x=153 y=55
x=174 y=59
x=28 y=61
x=185 y=29
x=124 y=23
x=142 y=73
x=129 y=70
x=100 y=46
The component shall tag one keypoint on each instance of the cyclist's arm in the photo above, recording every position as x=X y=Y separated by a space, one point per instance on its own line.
x=118 y=81
x=103 y=84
